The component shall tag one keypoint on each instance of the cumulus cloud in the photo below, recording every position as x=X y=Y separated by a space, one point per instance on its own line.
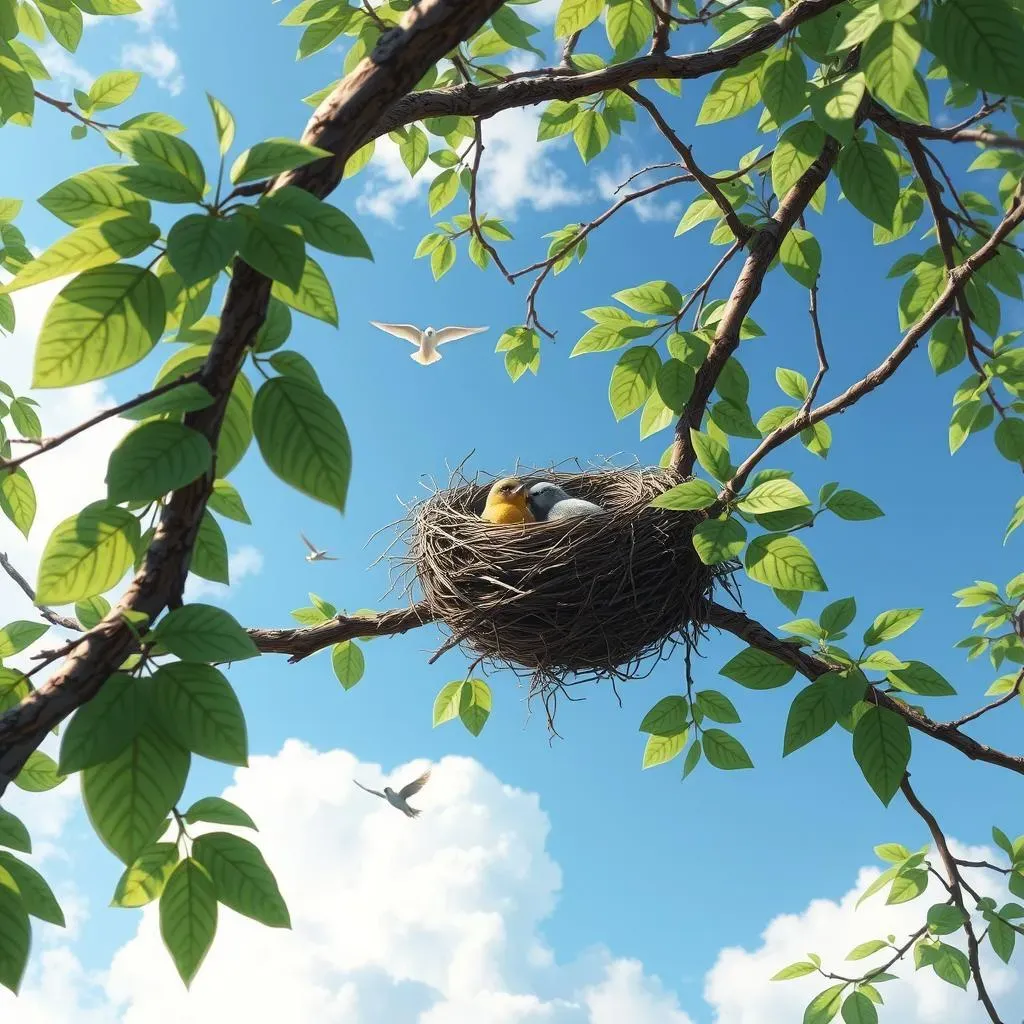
x=156 y=59
x=434 y=921
x=65 y=71
x=246 y=561
x=154 y=11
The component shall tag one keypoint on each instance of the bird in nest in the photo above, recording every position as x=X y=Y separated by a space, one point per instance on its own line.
x=548 y=502
x=507 y=502
x=427 y=340
x=398 y=800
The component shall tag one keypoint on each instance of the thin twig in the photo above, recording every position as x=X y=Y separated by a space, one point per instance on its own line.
x=1005 y=699
x=55 y=618
x=819 y=346
x=65 y=107
x=49 y=443
x=478 y=153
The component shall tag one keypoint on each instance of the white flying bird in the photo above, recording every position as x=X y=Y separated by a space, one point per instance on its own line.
x=427 y=340
x=398 y=799
x=315 y=554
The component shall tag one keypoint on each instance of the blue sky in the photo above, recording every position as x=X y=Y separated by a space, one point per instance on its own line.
x=652 y=869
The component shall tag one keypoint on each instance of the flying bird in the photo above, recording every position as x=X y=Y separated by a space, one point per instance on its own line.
x=427 y=340
x=315 y=554
x=550 y=502
x=398 y=799
x=507 y=502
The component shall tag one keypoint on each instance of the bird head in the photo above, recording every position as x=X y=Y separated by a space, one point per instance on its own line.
x=544 y=496
x=429 y=332
x=389 y=791
x=510 y=490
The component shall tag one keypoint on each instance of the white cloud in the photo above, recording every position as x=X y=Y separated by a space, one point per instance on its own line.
x=64 y=69
x=246 y=561
x=739 y=988
x=156 y=59
x=434 y=921
x=153 y=11
x=651 y=208
x=542 y=12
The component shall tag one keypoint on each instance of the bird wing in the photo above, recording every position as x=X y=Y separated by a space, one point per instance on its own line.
x=329 y=558
x=407 y=331
x=414 y=787
x=308 y=543
x=373 y=791
x=447 y=334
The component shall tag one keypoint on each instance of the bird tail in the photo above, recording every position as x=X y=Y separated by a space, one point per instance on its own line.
x=410 y=812
x=426 y=360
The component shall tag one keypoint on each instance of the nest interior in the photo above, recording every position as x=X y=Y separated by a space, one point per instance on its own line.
x=594 y=595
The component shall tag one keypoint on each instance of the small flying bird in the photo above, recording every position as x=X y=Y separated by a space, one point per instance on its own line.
x=315 y=554
x=506 y=502
x=398 y=799
x=549 y=502
x=427 y=340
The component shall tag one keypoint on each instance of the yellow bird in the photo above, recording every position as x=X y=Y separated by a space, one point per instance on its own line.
x=507 y=502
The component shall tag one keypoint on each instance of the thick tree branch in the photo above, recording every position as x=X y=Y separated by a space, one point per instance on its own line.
x=956 y=886
x=753 y=633
x=341 y=124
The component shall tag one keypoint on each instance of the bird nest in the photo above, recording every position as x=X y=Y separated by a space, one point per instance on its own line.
x=592 y=597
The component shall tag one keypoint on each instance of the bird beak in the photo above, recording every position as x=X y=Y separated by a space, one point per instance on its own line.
x=521 y=489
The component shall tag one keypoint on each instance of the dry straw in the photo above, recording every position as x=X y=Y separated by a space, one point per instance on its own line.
x=590 y=598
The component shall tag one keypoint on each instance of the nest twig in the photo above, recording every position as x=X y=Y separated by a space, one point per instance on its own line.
x=600 y=597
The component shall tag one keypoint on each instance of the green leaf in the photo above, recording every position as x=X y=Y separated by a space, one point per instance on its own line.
x=632 y=379
x=323 y=225
x=853 y=506
x=198 y=709
x=667 y=718
x=276 y=328
x=718 y=540
x=883 y=660
x=161 y=151
x=201 y=632
x=272 y=157
x=242 y=878
x=442 y=259
x=348 y=663
x=724 y=751
x=314 y=296
x=881 y=746
x=662 y=749
x=13 y=833
x=93 y=195
x=144 y=879
x=1009 y=438
x=590 y=134
x=944 y=919
x=92 y=611
x=36 y=895
x=712 y=455
x=474 y=705
x=717 y=707
x=782 y=561
x=693 y=755
x=888 y=61
x=443 y=189
x=834 y=106
x=784 y=84
x=866 y=949
x=674 y=384
x=946 y=347
x=922 y=679
x=201 y=245
x=797 y=970
x=86 y=555
x=414 y=148
x=113 y=88
x=223 y=122
x=757 y=670
x=810 y=715
x=773 y=496
x=951 y=965
x=652 y=297
x=628 y=24
x=446 y=703
x=798 y=148
x=869 y=181
x=15 y=933
x=800 y=255
x=837 y=616
x=18 y=635
x=128 y=798
x=303 y=440
x=103 y=727
x=891 y=624
x=858 y=1009
x=694 y=494
x=575 y=15
x=273 y=250
x=18 y=499
x=732 y=93
x=219 y=811
x=156 y=458
x=825 y=1005
x=980 y=41
x=38 y=774
x=210 y=553
x=188 y=916
x=95 y=244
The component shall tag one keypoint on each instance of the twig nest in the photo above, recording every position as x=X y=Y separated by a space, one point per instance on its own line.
x=594 y=595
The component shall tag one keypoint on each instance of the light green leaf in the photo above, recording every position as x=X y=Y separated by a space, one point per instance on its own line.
x=800 y=255
x=784 y=84
x=718 y=540
x=783 y=561
x=154 y=459
x=201 y=245
x=36 y=894
x=888 y=61
x=93 y=195
x=980 y=41
x=113 y=88
x=348 y=663
x=825 y=1005
x=858 y=1009
x=834 y=105
x=223 y=122
x=144 y=879
x=632 y=379
x=272 y=157
x=210 y=553
x=446 y=704
x=314 y=296
x=662 y=749
x=146 y=146
x=773 y=496
x=188 y=916
x=303 y=440
x=18 y=635
x=322 y=224
x=18 y=499
x=798 y=148
x=694 y=494
x=653 y=297
x=15 y=933
x=201 y=632
x=575 y=15
x=474 y=704
x=732 y=93
x=853 y=506
x=219 y=811
x=891 y=624
x=869 y=181
x=13 y=833
x=798 y=970
x=226 y=501
x=38 y=774
x=674 y=384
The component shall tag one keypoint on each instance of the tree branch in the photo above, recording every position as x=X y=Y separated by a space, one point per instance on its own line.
x=341 y=124
x=55 y=618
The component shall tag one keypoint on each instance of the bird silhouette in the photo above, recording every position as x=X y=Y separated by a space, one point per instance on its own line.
x=427 y=340
x=315 y=554
x=398 y=800
x=549 y=502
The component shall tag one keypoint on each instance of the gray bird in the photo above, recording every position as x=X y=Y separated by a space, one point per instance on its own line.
x=399 y=799
x=427 y=340
x=549 y=502
x=315 y=554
